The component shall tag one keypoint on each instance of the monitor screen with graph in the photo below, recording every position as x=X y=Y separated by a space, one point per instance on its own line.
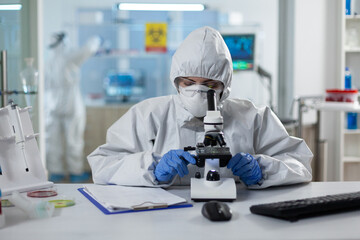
x=242 y=50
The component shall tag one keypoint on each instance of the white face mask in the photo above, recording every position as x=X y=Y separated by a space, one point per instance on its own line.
x=194 y=99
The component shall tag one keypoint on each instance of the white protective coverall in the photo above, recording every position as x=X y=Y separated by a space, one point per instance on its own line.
x=136 y=142
x=65 y=115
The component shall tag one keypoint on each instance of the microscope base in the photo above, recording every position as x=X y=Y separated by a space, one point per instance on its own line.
x=202 y=190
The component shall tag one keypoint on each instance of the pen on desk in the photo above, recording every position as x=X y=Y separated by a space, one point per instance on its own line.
x=147 y=207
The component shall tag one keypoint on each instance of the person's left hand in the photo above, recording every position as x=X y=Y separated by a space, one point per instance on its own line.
x=246 y=167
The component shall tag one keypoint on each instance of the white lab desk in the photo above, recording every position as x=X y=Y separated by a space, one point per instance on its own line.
x=85 y=221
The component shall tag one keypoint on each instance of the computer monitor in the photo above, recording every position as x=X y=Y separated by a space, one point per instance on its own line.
x=242 y=50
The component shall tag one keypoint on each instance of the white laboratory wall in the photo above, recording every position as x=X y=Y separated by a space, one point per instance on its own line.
x=310 y=47
x=316 y=48
x=263 y=14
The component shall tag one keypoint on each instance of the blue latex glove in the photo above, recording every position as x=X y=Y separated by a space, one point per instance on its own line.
x=172 y=163
x=246 y=167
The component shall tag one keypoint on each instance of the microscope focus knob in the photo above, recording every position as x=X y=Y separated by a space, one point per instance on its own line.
x=213 y=175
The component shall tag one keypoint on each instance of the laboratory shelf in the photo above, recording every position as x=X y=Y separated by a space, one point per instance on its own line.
x=351 y=159
x=129 y=54
x=352 y=50
x=348 y=164
x=352 y=17
x=351 y=131
x=337 y=106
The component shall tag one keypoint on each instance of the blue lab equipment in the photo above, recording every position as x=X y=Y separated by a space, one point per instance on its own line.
x=242 y=50
x=352 y=120
x=172 y=163
x=118 y=87
x=351 y=116
x=246 y=167
x=348 y=7
x=347 y=78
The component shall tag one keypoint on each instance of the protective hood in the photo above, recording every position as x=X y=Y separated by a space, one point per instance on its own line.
x=203 y=54
x=57 y=39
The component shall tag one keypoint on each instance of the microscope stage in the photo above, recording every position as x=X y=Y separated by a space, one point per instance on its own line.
x=203 y=190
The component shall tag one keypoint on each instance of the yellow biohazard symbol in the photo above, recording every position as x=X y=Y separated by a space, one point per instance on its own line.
x=156 y=34
x=156 y=37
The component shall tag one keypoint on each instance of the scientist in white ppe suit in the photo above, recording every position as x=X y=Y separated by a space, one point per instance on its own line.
x=144 y=147
x=65 y=115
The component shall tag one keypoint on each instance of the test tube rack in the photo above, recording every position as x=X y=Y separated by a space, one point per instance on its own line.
x=21 y=168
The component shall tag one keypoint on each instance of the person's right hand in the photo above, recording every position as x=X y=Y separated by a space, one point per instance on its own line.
x=246 y=167
x=172 y=163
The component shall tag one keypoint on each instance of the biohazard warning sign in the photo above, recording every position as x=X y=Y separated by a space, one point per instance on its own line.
x=156 y=37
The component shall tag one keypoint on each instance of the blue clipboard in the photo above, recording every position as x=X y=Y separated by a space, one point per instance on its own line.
x=107 y=212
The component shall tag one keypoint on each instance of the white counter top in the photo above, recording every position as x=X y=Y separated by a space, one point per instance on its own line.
x=85 y=221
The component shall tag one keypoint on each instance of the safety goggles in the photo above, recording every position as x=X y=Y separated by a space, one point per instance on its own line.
x=213 y=84
x=195 y=89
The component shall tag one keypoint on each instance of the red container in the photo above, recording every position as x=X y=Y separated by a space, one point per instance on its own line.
x=338 y=95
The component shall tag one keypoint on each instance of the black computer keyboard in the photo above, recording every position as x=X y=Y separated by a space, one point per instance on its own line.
x=294 y=210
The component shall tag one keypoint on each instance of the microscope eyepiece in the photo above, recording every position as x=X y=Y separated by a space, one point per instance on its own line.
x=211 y=95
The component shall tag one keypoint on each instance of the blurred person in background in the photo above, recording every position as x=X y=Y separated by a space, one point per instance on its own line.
x=65 y=115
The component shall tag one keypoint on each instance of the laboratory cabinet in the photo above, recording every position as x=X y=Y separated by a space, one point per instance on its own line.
x=349 y=164
x=350 y=152
x=98 y=119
